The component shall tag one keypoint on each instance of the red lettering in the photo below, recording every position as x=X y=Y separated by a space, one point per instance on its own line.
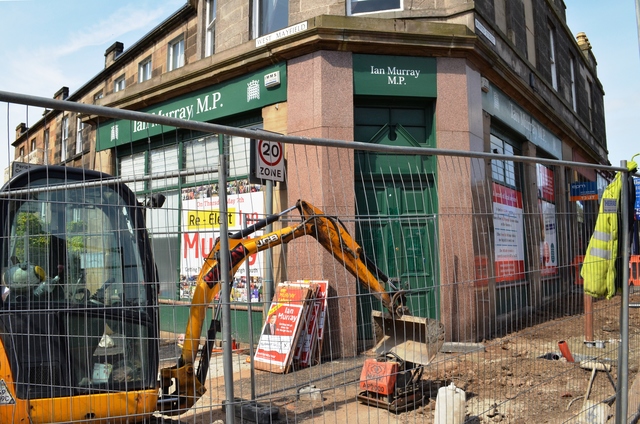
x=193 y=241
x=190 y=244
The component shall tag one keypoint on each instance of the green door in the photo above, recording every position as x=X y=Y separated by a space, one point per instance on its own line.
x=396 y=205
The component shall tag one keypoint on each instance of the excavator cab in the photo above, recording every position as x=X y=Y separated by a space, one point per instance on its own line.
x=78 y=322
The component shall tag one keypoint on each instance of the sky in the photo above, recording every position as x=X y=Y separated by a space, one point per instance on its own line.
x=50 y=44
x=56 y=43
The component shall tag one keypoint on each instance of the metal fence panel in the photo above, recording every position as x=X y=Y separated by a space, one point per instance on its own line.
x=486 y=247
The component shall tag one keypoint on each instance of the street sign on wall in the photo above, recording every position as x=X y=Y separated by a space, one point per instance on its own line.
x=270 y=160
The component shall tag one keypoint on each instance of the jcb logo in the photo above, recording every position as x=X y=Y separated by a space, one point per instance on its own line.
x=267 y=240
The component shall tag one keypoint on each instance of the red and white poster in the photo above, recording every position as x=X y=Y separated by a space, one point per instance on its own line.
x=508 y=234
x=281 y=329
x=201 y=226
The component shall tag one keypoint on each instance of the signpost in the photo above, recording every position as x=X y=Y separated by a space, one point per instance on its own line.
x=270 y=160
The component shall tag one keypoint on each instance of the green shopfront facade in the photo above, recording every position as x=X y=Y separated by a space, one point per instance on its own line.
x=396 y=203
x=161 y=150
x=381 y=99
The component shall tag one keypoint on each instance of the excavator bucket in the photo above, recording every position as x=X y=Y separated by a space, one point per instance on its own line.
x=413 y=339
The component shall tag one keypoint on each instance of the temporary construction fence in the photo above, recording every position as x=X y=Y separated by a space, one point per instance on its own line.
x=476 y=256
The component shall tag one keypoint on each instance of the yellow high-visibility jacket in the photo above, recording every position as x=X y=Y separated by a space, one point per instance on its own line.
x=599 y=266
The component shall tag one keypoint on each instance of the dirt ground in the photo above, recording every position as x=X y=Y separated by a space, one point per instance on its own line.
x=516 y=378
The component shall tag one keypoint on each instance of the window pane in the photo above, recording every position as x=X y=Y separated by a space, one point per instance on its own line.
x=80 y=128
x=133 y=166
x=503 y=171
x=163 y=230
x=210 y=40
x=163 y=161
x=368 y=6
x=274 y=15
x=201 y=154
x=240 y=155
x=144 y=71
x=176 y=55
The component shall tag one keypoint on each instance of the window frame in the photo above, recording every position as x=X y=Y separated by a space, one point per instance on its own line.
x=258 y=28
x=64 y=135
x=145 y=70
x=211 y=7
x=552 y=57
x=118 y=84
x=79 y=138
x=503 y=171
x=572 y=74
x=350 y=12
x=172 y=62
x=46 y=146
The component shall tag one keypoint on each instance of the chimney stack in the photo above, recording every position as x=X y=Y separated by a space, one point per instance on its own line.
x=112 y=53
x=21 y=129
x=62 y=94
x=583 y=41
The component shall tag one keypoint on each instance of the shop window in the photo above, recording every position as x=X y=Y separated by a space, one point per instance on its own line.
x=548 y=221
x=269 y=16
x=131 y=167
x=355 y=7
x=200 y=154
x=161 y=162
x=175 y=54
x=502 y=171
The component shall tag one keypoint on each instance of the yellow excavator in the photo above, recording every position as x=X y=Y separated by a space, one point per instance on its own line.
x=79 y=320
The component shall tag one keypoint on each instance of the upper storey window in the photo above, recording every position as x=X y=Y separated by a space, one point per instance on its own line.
x=175 y=53
x=269 y=16
x=355 y=7
x=144 y=70
x=210 y=39
x=552 y=58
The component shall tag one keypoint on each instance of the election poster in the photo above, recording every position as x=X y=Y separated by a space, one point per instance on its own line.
x=309 y=342
x=508 y=234
x=282 y=327
x=201 y=221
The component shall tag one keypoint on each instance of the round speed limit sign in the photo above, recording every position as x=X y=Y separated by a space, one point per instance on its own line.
x=270 y=164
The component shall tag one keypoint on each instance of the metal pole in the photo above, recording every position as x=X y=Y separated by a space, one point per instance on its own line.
x=268 y=259
x=206 y=127
x=227 y=359
x=623 y=355
x=250 y=324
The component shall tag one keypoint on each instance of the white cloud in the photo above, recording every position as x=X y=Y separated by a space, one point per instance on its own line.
x=125 y=20
x=68 y=53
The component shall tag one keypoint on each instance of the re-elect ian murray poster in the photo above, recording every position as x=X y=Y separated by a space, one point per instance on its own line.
x=281 y=330
x=201 y=220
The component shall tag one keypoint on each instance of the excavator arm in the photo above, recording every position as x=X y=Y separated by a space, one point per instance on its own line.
x=327 y=230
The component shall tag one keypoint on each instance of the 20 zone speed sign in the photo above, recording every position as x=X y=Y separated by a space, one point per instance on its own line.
x=270 y=161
